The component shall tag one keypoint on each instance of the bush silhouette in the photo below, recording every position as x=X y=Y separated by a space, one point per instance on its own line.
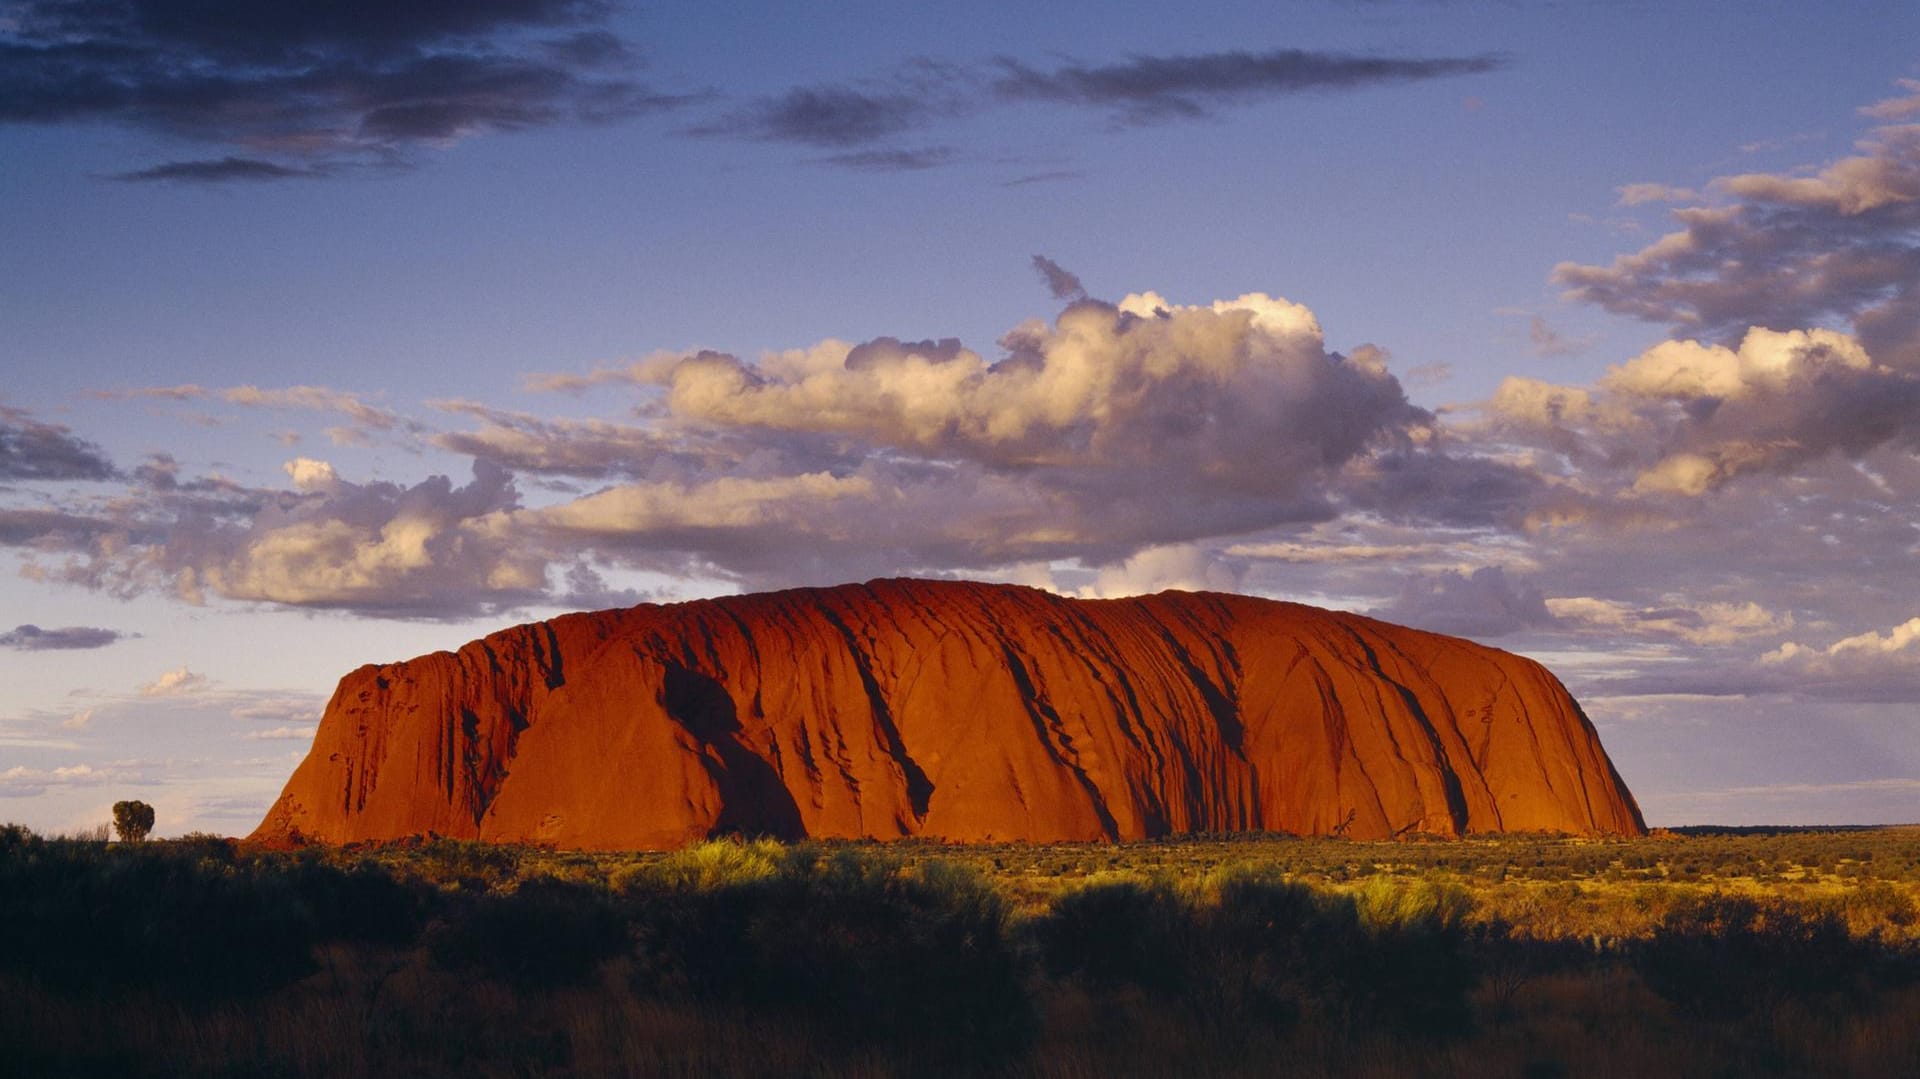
x=855 y=940
x=81 y=916
x=543 y=934
x=132 y=820
x=1415 y=972
x=1724 y=956
x=1249 y=947
x=1118 y=932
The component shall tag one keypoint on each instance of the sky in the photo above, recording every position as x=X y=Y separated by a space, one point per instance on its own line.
x=343 y=332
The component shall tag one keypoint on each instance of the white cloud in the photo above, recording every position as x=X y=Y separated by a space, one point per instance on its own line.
x=1898 y=649
x=175 y=683
x=1685 y=418
x=1236 y=392
x=1700 y=624
x=21 y=781
x=309 y=474
x=1185 y=567
x=1884 y=175
x=1766 y=361
x=725 y=503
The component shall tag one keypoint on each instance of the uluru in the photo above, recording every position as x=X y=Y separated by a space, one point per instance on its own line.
x=952 y=710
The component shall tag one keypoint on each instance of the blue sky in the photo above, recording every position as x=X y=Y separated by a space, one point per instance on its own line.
x=1440 y=311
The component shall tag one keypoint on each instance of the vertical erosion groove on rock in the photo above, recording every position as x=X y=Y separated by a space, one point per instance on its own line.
x=961 y=711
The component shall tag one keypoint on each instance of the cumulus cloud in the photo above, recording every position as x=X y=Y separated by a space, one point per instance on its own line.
x=33 y=450
x=175 y=683
x=31 y=638
x=309 y=474
x=1241 y=392
x=430 y=550
x=426 y=550
x=295 y=88
x=1788 y=250
x=1700 y=624
x=1184 y=567
x=1875 y=667
x=1868 y=666
x=1685 y=418
x=1118 y=428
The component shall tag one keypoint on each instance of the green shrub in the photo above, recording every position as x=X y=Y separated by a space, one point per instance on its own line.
x=543 y=934
x=1725 y=956
x=1114 y=932
x=1247 y=947
x=853 y=939
x=82 y=916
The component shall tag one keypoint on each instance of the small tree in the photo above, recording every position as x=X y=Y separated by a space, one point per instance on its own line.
x=133 y=820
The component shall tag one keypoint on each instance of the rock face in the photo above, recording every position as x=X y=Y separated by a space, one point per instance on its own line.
x=955 y=710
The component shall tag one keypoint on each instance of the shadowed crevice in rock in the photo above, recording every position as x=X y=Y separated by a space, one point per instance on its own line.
x=1051 y=732
x=919 y=787
x=753 y=801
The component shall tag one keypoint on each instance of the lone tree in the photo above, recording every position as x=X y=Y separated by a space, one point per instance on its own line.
x=133 y=820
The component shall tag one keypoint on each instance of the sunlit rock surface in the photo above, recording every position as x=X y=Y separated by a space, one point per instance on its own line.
x=954 y=710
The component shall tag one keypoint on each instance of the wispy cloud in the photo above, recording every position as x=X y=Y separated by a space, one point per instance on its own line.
x=280 y=734
x=868 y=119
x=220 y=170
x=34 y=450
x=827 y=116
x=1788 y=249
x=365 y=421
x=1151 y=89
x=930 y=157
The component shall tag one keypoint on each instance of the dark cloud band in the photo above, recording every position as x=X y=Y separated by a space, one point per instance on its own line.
x=30 y=638
x=313 y=84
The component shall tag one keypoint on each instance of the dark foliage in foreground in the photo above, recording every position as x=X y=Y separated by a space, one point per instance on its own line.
x=194 y=922
x=851 y=940
x=1262 y=950
x=1723 y=956
x=445 y=958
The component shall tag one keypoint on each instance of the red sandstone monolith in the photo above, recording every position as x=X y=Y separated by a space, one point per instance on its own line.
x=954 y=710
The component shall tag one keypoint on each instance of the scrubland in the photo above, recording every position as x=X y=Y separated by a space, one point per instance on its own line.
x=1709 y=954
